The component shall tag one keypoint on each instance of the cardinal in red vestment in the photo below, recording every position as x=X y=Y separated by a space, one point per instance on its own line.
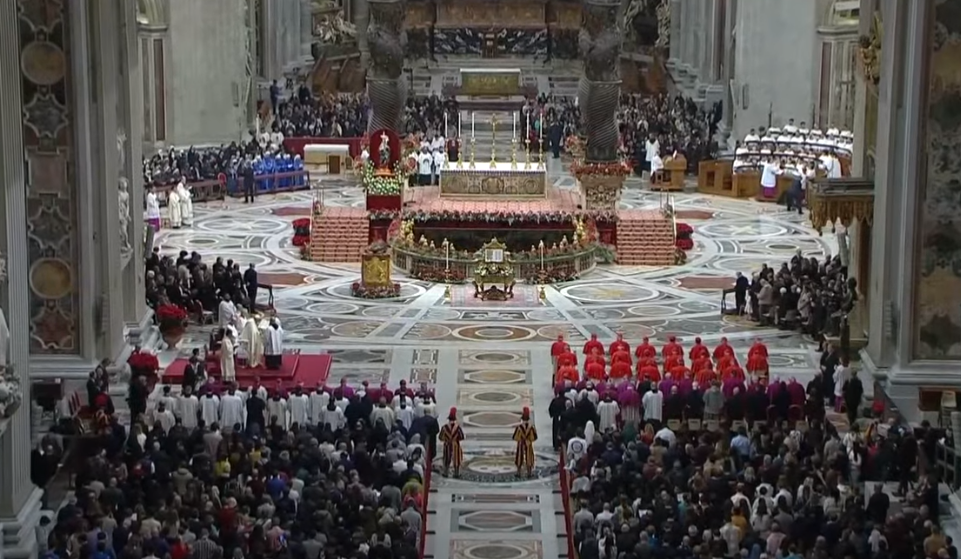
x=595 y=370
x=722 y=349
x=672 y=348
x=621 y=369
x=645 y=350
x=592 y=345
x=698 y=350
x=620 y=345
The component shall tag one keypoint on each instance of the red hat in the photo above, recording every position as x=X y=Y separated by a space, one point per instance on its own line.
x=526 y=413
x=453 y=414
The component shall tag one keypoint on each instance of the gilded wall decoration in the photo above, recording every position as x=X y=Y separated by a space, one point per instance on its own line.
x=51 y=190
x=938 y=286
x=491 y=13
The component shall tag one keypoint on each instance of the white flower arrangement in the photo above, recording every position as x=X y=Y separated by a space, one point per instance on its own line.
x=11 y=393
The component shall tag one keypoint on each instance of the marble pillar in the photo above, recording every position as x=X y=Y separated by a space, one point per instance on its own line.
x=361 y=16
x=306 y=29
x=19 y=498
x=936 y=331
x=675 y=45
x=293 y=32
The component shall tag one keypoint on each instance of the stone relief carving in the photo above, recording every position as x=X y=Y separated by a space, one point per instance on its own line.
x=11 y=393
x=123 y=208
x=387 y=41
x=663 y=25
x=598 y=92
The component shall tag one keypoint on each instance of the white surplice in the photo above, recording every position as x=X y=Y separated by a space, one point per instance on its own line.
x=173 y=208
x=274 y=340
x=405 y=414
x=277 y=407
x=153 y=207
x=318 y=403
x=653 y=403
x=334 y=418
x=298 y=404
x=166 y=419
x=227 y=313
x=253 y=342
x=607 y=412
x=231 y=411
x=186 y=204
x=210 y=409
x=227 y=372
x=187 y=407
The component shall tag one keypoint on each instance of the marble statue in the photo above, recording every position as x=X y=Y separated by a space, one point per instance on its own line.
x=383 y=153
x=599 y=89
x=123 y=209
x=387 y=41
x=4 y=340
x=186 y=204
x=11 y=393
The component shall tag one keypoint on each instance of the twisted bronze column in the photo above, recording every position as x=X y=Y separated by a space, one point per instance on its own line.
x=387 y=41
x=599 y=89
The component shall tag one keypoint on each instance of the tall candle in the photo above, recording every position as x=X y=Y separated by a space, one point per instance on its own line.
x=459 y=119
x=445 y=124
x=514 y=117
x=472 y=125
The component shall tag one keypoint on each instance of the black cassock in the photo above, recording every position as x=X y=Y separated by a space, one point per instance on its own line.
x=556 y=411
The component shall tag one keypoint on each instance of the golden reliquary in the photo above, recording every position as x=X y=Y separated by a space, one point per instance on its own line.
x=375 y=270
x=494 y=275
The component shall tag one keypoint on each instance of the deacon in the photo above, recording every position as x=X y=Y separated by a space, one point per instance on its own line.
x=274 y=345
x=525 y=435
x=451 y=435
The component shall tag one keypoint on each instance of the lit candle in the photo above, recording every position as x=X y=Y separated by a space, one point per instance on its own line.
x=527 y=137
x=543 y=122
x=514 y=116
x=472 y=125
x=445 y=124
x=459 y=119
x=541 y=247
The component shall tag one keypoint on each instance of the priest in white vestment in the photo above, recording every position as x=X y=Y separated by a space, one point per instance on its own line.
x=227 y=348
x=210 y=408
x=231 y=411
x=274 y=345
x=653 y=403
x=227 y=313
x=607 y=411
x=188 y=407
x=253 y=342
x=299 y=405
x=174 y=211
x=152 y=209
x=186 y=204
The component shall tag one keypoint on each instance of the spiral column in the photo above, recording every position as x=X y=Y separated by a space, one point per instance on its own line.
x=386 y=42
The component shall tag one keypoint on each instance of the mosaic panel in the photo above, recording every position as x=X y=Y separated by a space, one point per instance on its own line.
x=494 y=521
x=357 y=356
x=490 y=357
x=423 y=374
x=355 y=376
x=490 y=419
x=52 y=200
x=937 y=313
x=497 y=466
x=425 y=357
x=481 y=549
x=496 y=498
x=494 y=376
x=495 y=397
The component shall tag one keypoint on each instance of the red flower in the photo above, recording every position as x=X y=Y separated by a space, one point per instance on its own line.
x=683 y=229
x=684 y=243
x=168 y=314
x=303 y=222
x=143 y=361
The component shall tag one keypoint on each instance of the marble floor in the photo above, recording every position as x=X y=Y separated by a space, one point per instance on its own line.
x=492 y=359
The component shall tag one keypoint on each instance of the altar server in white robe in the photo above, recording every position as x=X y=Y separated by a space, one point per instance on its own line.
x=187 y=408
x=253 y=342
x=227 y=313
x=168 y=400
x=333 y=417
x=299 y=405
x=231 y=410
x=174 y=211
x=342 y=403
x=384 y=414
x=319 y=399
x=607 y=411
x=151 y=212
x=210 y=408
x=274 y=345
x=404 y=413
x=277 y=407
x=164 y=416
x=653 y=403
x=425 y=407
x=227 y=348
x=186 y=204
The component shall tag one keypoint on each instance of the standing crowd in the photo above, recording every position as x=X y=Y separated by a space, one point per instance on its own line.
x=691 y=456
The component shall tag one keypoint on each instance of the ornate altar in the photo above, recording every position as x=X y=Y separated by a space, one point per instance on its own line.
x=375 y=280
x=494 y=275
x=496 y=180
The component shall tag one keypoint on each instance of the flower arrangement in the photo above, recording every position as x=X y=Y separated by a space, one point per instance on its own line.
x=143 y=362
x=607 y=169
x=384 y=185
x=170 y=317
x=557 y=274
x=301 y=232
x=574 y=145
x=358 y=289
x=493 y=217
x=494 y=269
x=683 y=234
x=11 y=392
x=438 y=274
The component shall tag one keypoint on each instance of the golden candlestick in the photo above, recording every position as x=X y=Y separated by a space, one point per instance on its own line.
x=446 y=159
x=471 y=164
x=460 y=154
x=493 y=139
x=527 y=158
x=540 y=157
x=513 y=154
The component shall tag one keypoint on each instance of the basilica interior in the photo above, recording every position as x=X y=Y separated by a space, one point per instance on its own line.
x=610 y=243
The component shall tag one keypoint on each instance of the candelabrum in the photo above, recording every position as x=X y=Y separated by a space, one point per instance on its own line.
x=460 y=153
x=527 y=157
x=493 y=140
x=514 y=154
x=540 y=157
x=472 y=143
x=446 y=159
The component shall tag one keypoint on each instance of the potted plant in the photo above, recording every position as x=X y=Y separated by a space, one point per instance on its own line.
x=142 y=363
x=173 y=322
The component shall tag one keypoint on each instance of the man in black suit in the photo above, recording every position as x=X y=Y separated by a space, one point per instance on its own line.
x=248 y=183
x=741 y=285
x=250 y=282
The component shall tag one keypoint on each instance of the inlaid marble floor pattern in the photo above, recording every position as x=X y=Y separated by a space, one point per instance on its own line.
x=492 y=359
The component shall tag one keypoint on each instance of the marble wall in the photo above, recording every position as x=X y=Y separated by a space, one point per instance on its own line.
x=207 y=69
x=938 y=273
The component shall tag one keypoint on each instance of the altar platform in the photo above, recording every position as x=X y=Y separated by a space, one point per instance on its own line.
x=428 y=200
x=296 y=368
x=488 y=179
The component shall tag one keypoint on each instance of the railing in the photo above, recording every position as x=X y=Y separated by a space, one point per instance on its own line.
x=296 y=145
x=565 y=481
x=428 y=467
x=435 y=267
x=270 y=184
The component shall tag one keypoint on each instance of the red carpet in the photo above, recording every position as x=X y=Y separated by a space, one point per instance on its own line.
x=309 y=369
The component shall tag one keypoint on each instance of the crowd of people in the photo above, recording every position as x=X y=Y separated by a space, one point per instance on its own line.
x=693 y=456
x=190 y=284
x=663 y=125
x=255 y=473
